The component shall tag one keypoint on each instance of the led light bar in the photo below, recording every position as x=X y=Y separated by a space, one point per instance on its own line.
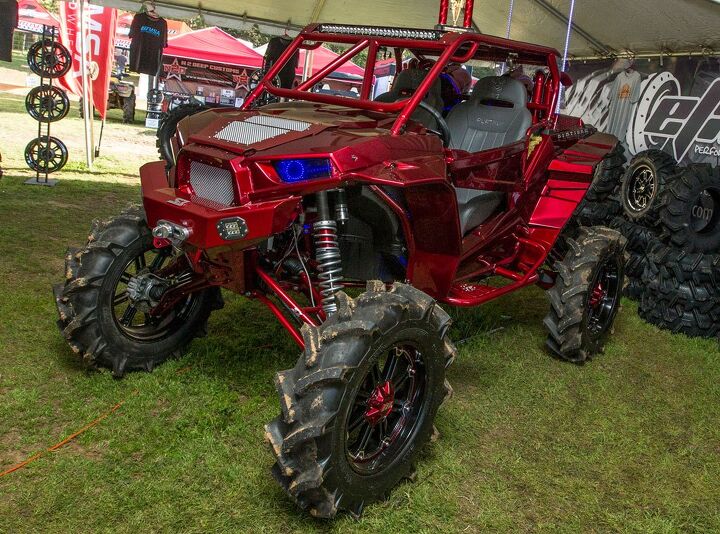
x=382 y=31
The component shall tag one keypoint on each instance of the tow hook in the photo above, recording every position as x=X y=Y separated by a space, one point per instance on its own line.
x=174 y=233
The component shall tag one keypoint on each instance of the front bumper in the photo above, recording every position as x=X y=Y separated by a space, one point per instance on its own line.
x=201 y=217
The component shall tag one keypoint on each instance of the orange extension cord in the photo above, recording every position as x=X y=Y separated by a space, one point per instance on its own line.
x=66 y=440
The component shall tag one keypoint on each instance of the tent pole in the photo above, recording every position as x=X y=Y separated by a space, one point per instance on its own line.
x=307 y=65
x=565 y=52
x=87 y=105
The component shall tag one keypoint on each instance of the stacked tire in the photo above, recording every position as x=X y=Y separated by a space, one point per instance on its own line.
x=681 y=277
x=643 y=183
x=671 y=219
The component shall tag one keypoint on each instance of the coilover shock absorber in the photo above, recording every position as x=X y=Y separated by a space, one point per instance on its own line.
x=327 y=254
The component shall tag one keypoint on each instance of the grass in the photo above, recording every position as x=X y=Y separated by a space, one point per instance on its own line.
x=629 y=442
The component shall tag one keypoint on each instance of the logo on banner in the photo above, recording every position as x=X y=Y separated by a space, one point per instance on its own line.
x=174 y=70
x=664 y=119
x=241 y=80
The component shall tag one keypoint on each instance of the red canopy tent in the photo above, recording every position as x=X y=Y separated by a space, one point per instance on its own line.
x=215 y=46
x=209 y=65
x=322 y=56
x=32 y=16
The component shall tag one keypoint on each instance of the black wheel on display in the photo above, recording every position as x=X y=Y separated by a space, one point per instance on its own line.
x=360 y=403
x=691 y=209
x=266 y=97
x=46 y=154
x=648 y=175
x=98 y=317
x=47 y=103
x=608 y=175
x=586 y=296
x=49 y=59
x=168 y=126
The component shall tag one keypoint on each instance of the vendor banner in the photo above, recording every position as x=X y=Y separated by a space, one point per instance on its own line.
x=201 y=72
x=670 y=104
x=100 y=26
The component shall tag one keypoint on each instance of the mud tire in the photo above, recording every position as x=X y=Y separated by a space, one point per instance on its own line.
x=569 y=335
x=83 y=300
x=316 y=396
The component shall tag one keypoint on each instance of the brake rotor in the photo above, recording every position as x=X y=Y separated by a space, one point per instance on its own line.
x=46 y=154
x=47 y=104
x=49 y=59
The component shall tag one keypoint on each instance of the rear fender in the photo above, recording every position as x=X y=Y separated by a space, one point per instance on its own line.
x=162 y=202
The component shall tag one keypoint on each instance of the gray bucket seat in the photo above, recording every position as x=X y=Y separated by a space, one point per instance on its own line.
x=495 y=115
x=405 y=84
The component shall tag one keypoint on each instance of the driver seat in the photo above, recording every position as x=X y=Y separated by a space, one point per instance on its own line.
x=495 y=115
x=405 y=84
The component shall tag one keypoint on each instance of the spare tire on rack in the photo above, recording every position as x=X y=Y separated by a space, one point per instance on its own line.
x=650 y=172
x=168 y=126
x=691 y=209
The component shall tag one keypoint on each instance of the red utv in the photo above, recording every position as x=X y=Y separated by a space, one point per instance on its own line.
x=291 y=202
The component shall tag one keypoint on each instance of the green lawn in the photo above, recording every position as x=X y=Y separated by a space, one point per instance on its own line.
x=628 y=442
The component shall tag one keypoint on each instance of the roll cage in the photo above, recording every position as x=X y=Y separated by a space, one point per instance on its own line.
x=441 y=45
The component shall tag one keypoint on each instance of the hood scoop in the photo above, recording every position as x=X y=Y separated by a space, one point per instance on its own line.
x=259 y=128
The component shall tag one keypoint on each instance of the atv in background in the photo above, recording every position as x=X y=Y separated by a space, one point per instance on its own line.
x=120 y=96
x=413 y=205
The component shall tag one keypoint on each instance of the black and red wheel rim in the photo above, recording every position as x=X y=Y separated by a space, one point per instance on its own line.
x=49 y=59
x=386 y=410
x=603 y=296
x=131 y=319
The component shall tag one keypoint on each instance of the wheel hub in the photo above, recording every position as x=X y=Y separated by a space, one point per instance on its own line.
x=145 y=291
x=598 y=295
x=380 y=403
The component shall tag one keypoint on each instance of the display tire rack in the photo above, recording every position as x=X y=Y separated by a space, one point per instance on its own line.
x=46 y=104
x=670 y=216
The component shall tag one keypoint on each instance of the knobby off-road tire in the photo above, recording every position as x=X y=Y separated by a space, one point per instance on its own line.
x=678 y=314
x=650 y=172
x=586 y=296
x=608 y=175
x=668 y=261
x=128 y=109
x=168 y=127
x=88 y=318
x=691 y=209
x=327 y=399
x=597 y=213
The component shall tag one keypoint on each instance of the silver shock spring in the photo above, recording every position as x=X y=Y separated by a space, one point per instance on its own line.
x=327 y=254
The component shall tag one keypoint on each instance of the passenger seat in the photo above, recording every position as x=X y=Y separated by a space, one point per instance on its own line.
x=495 y=115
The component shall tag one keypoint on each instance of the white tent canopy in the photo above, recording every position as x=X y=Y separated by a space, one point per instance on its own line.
x=602 y=27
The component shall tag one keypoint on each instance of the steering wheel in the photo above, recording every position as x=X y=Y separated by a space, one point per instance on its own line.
x=444 y=132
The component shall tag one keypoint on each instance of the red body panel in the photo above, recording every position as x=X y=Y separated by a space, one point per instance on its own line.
x=374 y=144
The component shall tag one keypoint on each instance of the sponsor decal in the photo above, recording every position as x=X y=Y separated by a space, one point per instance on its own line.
x=667 y=120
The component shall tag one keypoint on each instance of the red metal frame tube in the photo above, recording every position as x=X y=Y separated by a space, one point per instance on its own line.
x=284 y=297
x=369 y=71
x=277 y=312
x=335 y=63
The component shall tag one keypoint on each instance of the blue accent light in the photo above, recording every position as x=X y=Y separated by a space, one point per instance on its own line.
x=298 y=170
